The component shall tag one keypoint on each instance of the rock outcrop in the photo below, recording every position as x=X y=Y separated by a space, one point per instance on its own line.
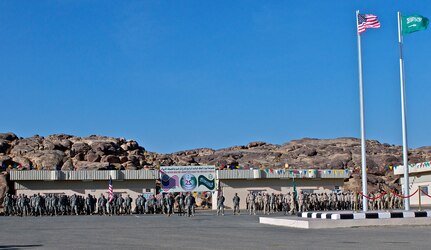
x=69 y=152
x=3 y=186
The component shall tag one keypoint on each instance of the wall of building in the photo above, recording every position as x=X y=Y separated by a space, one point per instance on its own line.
x=276 y=186
x=231 y=182
x=416 y=181
x=425 y=200
x=83 y=188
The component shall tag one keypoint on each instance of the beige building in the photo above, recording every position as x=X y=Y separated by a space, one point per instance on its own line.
x=419 y=178
x=84 y=182
x=276 y=181
x=135 y=182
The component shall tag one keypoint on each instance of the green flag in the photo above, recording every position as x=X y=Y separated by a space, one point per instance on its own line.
x=413 y=23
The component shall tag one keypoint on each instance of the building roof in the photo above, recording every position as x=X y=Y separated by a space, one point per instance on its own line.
x=83 y=175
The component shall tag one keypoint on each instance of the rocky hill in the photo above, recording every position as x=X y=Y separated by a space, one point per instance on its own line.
x=69 y=152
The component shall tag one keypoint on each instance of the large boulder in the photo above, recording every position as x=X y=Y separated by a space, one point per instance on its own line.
x=66 y=144
x=123 y=159
x=90 y=140
x=60 y=137
x=5 y=160
x=4 y=146
x=3 y=186
x=8 y=136
x=56 y=144
x=47 y=159
x=93 y=157
x=80 y=148
x=68 y=165
x=307 y=151
x=22 y=149
x=48 y=145
x=130 y=145
x=86 y=165
x=23 y=161
x=107 y=148
x=256 y=144
x=79 y=157
x=130 y=166
x=110 y=159
x=26 y=145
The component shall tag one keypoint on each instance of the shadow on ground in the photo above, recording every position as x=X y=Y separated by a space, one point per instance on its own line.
x=17 y=247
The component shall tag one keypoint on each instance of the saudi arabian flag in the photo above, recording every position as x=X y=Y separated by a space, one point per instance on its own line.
x=413 y=23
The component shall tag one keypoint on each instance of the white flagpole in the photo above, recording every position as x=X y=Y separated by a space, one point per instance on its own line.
x=361 y=100
x=404 y=122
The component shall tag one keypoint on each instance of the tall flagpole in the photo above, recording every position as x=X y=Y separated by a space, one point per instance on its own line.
x=361 y=99
x=404 y=122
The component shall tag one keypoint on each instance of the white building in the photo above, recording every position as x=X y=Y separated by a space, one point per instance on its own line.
x=419 y=178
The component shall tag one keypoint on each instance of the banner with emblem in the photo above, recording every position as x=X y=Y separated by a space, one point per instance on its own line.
x=187 y=178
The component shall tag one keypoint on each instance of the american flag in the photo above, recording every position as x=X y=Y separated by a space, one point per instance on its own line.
x=110 y=190
x=367 y=21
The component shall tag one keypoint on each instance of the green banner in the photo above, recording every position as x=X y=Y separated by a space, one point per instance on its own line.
x=410 y=24
x=202 y=180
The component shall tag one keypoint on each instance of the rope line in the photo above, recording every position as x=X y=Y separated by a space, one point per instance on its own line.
x=404 y=197
x=373 y=198
x=425 y=193
x=398 y=195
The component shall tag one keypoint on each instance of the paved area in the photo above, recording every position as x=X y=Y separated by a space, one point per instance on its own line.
x=204 y=231
x=317 y=223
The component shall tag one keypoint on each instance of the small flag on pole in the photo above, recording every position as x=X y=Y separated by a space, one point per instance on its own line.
x=413 y=23
x=110 y=190
x=367 y=21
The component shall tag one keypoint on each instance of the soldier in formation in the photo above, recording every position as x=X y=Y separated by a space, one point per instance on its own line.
x=331 y=201
x=101 y=205
x=128 y=205
x=140 y=205
x=251 y=203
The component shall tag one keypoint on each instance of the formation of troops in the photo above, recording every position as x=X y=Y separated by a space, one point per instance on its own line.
x=53 y=205
x=303 y=202
x=185 y=203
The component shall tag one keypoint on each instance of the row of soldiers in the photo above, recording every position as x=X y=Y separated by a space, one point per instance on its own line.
x=167 y=203
x=302 y=202
x=184 y=204
x=55 y=204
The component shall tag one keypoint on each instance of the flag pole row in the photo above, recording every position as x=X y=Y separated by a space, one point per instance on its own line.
x=406 y=25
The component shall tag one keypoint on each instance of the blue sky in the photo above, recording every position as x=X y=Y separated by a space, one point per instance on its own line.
x=177 y=75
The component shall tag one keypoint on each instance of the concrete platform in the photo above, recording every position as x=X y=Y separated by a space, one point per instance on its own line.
x=309 y=223
x=350 y=215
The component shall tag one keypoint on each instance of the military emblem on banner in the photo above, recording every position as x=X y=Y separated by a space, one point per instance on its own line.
x=188 y=182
